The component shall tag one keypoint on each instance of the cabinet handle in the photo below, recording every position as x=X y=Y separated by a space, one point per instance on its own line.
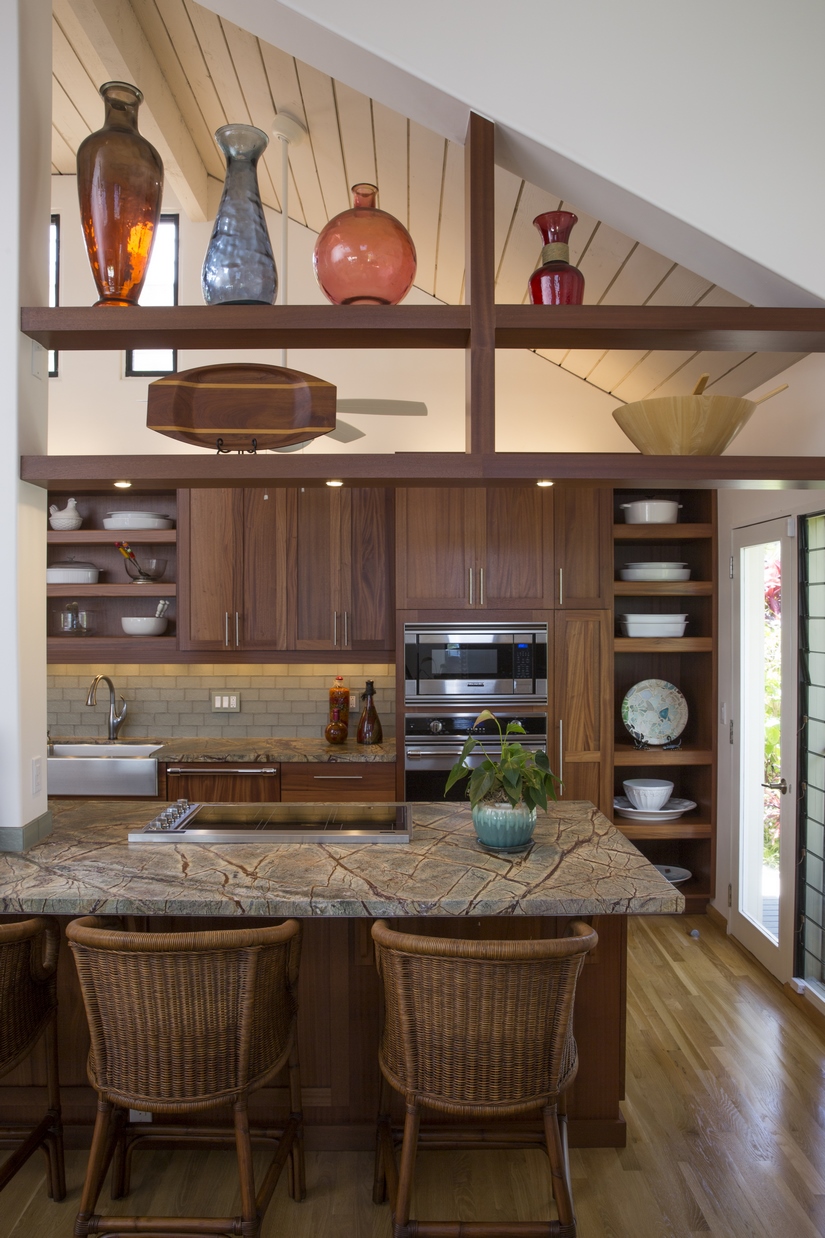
x=346 y=629
x=335 y=627
x=471 y=586
x=237 y=631
x=561 y=586
x=481 y=586
x=226 y=628
x=561 y=749
x=338 y=777
x=208 y=773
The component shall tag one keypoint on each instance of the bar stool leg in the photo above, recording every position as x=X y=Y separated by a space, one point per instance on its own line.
x=379 y=1181
x=409 y=1147
x=296 y=1180
x=559 y=1169
x=246 y=1171
x=57 y=1164
x=96 y=1168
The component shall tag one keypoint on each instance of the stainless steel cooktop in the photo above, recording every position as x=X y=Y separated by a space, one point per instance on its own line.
x=278 y=823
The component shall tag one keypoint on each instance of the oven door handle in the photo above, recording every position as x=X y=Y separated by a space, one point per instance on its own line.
x=414 y=753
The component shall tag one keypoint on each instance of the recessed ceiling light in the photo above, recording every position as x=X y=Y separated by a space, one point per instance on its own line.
x=544 y=483
x=123 y=485
x=335 y=483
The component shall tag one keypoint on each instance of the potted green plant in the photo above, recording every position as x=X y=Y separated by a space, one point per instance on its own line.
x=504 y=794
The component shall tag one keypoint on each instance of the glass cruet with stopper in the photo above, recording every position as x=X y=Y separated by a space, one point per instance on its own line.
x=369 y=724
x=339 y=699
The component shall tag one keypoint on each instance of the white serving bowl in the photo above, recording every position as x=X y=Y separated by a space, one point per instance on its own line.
x=133 y=520
x=651 y=511
x=649 y=793
x=655 y=571
x=72 y=573
x=654 y=625
x=144 y=626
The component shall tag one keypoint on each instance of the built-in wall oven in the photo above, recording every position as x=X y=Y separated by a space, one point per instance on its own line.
x=475 y=663
x=433 y=743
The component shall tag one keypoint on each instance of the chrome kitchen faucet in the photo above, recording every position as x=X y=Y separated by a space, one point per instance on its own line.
x=115 y=720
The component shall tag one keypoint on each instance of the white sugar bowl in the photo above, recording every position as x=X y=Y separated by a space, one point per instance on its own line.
x=67 y=518
x=648 y=793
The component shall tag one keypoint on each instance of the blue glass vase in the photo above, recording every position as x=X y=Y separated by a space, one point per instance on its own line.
x=239 y=268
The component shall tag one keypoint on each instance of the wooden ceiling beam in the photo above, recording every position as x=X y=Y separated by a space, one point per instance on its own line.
x=109 y=41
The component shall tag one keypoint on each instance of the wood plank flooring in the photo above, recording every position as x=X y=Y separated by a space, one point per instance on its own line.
x=725 y=1111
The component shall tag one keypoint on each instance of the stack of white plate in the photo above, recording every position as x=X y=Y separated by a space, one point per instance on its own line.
x=659 y=570
x=672 y=810
x=138 y=520
x=654 y=625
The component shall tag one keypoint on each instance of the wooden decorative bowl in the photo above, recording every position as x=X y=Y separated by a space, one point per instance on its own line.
x=686 y=425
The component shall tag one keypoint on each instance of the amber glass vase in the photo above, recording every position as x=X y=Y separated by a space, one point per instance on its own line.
x=120 y=184
x=364 y=256
x=556 y=282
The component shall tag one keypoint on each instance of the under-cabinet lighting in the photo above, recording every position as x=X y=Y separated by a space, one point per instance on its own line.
x=335 y=483
x=544 y=483
x=123 y=485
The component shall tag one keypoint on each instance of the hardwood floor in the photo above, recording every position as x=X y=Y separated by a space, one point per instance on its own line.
x=725 y=1111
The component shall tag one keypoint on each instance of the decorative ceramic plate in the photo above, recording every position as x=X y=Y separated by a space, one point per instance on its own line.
x=674 y=875
x=672 y=810
x=654 y=711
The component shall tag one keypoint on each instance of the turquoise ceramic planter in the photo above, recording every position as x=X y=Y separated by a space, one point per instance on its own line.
x=501 y=826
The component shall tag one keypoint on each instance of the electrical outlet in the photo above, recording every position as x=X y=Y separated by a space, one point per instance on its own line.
x=37 y=775
x=353 y=700
x=227 y=701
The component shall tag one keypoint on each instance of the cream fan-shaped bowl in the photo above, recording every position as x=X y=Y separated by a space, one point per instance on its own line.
x=687 y=425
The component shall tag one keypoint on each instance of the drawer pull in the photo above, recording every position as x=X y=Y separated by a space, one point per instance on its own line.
x=207 y=772
x=338 y=777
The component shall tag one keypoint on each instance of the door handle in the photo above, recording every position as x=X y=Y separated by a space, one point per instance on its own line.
x=237 y=631
x=561 y=749
x=561 y=586
x=481 y=586
x=471 y=586
x=226 y=628
x=781 y=786
x=346 y=629
x=335 y=627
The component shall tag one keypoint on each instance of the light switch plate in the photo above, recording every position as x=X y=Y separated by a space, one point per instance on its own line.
x=226 y=701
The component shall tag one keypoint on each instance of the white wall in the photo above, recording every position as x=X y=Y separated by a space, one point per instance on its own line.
x=692 y=127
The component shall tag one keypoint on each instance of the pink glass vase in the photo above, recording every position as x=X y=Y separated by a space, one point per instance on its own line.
x=364 y=256
x=556 y=282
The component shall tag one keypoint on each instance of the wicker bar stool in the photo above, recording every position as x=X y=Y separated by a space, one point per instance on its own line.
x=480 y=1030
x=181 y=1023
x=28 y=1011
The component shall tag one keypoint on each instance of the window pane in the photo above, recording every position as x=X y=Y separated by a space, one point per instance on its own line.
x=160 y=288
x=54 y=267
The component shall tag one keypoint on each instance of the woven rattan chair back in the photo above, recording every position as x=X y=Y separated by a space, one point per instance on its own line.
x=480 y=1030
x=28 y=1010
x=186 y=1021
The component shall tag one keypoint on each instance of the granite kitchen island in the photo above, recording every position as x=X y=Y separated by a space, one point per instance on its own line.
x=577 y=865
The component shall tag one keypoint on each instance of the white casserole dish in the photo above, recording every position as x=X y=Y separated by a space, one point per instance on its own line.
x=654 y=572
x=651 y=511
x=72 y=572
x=654 y=625
x=135 y=520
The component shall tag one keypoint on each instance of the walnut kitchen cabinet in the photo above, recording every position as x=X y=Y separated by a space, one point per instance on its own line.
x=343 y=588
x=236 y=783
x=474 y=548
x=583 y=520
x=237 y=568
x=583 y=706
x=338 y=782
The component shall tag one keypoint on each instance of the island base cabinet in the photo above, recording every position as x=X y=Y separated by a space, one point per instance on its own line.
x=339 y=1021
x=338 y=783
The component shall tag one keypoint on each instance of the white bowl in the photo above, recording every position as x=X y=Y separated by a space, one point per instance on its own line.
x=654 y=625
x=69 y=573
x=144 y=626
x=649 y=793
x=134 y=521
x=654 y=572
x=651 y=511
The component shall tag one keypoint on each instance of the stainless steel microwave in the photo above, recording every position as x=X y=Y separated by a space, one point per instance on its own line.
x=467 y=663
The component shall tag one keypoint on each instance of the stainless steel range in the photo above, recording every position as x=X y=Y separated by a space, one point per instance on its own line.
x=433 y=743
x=278 y=823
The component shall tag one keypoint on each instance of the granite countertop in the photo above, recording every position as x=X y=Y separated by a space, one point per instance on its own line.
x=270 y=749
x=577 y=864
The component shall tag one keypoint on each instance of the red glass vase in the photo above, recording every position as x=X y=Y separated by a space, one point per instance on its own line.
x=119 y=184
x=364 y=256
x=556 y=282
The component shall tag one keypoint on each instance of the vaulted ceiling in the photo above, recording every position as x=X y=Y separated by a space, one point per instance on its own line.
x=199 y=72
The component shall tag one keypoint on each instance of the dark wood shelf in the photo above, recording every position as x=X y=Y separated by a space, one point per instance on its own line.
x=160 y=589
x=112 y=649
x=107 y=537
x=663 y=644
x=635 y=830
x=663 y=588
x=626 y=754
x=83 y=328
x=661 y=532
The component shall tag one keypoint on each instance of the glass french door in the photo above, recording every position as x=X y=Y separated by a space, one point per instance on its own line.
x=764 y=717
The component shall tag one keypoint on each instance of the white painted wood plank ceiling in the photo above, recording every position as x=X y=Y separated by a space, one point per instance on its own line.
x=218 y=73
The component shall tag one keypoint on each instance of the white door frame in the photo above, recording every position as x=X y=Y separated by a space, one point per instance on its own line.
x=777 y=957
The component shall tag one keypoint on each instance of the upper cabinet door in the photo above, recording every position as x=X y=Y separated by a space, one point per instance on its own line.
x=516 y=558
x=266 y=609
x=319 y=622
x=211 y=549
x=436 y=563
x=583 y=540
x=367 y=595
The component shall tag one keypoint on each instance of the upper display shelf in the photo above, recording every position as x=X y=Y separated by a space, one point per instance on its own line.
x=737 y=329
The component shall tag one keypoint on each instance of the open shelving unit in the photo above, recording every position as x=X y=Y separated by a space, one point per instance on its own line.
x=688 y=662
